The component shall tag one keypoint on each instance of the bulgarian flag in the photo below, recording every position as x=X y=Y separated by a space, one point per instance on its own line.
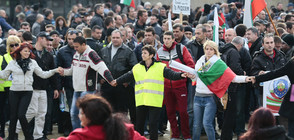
x=251 y=10
x=215 y=26
x=128 y=2
x=216 y=75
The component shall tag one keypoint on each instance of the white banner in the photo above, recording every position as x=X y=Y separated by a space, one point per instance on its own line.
x=181 y=6
x=274 y=92
x=176 y=65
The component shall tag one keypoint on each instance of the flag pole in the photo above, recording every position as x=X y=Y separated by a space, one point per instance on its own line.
x=272 y=21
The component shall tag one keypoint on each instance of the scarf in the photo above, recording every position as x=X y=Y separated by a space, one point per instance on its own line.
x=24 y=64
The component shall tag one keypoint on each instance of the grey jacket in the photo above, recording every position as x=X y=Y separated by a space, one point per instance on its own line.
x=21 y=81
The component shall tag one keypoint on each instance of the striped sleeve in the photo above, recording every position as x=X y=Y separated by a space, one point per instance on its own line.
x=98 y=65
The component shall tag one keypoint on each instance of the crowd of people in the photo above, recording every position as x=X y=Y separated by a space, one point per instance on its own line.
x=103 y=72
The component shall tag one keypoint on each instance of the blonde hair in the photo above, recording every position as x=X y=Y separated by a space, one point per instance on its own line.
x=213 y=45
x=11 y=40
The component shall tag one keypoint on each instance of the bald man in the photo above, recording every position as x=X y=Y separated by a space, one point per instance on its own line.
x=230 y=34
x=5 y=26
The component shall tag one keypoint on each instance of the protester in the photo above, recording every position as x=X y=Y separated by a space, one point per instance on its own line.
x=99 y=122
x=262 y=126
x=22 y=69
x=12 y=43
x=204 y=103
x=149 y=95
x=84 y=74
x=286 y=109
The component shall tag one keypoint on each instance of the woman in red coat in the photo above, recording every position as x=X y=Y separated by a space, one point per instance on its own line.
x=99 y=123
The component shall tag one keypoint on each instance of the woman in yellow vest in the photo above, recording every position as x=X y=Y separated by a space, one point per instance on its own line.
x=149 y=76
x=12 y=43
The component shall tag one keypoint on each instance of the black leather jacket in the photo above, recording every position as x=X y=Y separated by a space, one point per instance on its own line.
x=263 y=62
x=122 y=62
x=196 y=49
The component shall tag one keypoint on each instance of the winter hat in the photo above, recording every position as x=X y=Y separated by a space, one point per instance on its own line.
x=289 y=40
x=188 y=28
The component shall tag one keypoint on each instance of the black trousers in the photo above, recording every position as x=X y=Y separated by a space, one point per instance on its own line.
x=116 y=96
x=19 y=102
x=3 y=113
x=229 y=117
x=154 y=113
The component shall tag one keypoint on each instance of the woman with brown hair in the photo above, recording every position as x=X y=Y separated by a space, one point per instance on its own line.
x=21 y=70
x=99 y=122
x=61 y=26
x=262 y=126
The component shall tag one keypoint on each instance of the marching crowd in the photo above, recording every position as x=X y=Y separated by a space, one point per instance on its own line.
x=103 y=72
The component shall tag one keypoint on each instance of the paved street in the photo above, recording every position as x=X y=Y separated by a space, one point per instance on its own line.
x=56 y=135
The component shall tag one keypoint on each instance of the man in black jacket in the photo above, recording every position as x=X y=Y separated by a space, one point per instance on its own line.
x=90 y=41
x=178 y=31
x=119 y=59
x=48 y=19
x=99 y=14
x=253 y=37
x=64 y=59
x=267 y=59
x=196 y=45
x=141 y=22
x=231 y=56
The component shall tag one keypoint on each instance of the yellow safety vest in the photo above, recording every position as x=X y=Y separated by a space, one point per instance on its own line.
x=7 y=58
x=149 y=86
x=1 y=80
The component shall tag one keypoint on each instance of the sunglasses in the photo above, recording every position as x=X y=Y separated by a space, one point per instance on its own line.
x=73 y=32
x=14 y=45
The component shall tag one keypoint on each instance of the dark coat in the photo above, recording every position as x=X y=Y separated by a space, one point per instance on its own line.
x=62 y=31
x=5 y=26
x=97 y=20
x=231 y=56
x=255 y=47
x=184 y=40
x=262 y=62
x=287 y=107
x=64 y=59
x=157 y=28
x=270 y=133
x=46 y=62
x=94 y=45
x=32 y=18
x=122 y=62
x=45 y=22
x=246 y=60
x=138 y=27
x=196 y=49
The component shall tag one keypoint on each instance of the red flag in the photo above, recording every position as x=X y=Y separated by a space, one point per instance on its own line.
x=257 y=6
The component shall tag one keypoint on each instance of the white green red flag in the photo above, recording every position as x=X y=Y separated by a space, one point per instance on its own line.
x=216 y=75
x=251 y=10
x=128 y=2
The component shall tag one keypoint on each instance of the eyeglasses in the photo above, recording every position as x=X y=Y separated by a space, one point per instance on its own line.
x=14 y=45
x=220 y=32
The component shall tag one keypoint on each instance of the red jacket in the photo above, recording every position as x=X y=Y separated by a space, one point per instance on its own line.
x=165 y=54
x=96 y=132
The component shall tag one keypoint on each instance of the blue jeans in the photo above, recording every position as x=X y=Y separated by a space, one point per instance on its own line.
x=74 y=112
x=204 y=112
